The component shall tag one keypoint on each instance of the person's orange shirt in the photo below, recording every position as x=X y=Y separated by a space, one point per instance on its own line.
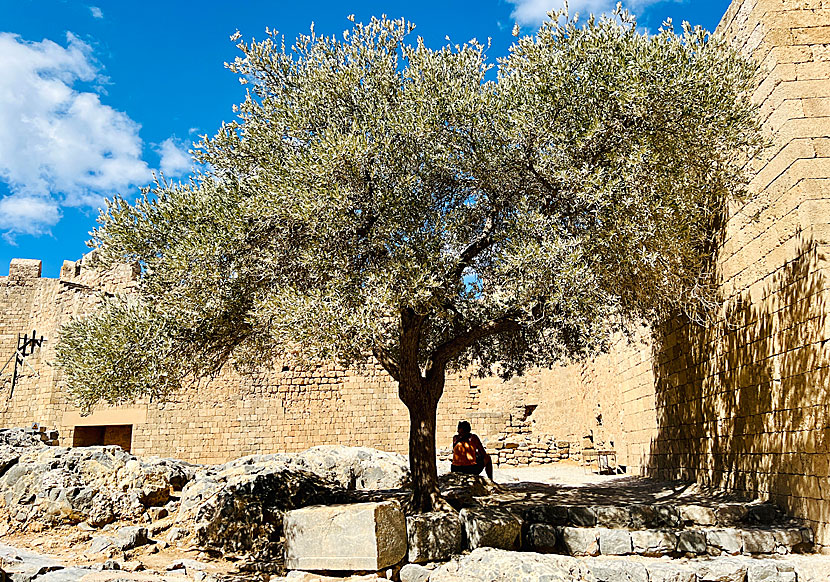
x=466 y=452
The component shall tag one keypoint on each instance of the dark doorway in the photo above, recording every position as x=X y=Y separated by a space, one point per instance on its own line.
x=113 y=434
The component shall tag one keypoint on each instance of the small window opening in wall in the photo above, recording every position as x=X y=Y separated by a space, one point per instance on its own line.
x=528 y=410
x=112 y=434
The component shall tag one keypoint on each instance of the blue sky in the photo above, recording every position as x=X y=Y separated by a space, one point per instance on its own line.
x=95 y=96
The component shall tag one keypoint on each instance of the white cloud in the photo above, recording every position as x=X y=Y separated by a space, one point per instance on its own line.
x=27 y=213
x=96 y=12
x=175 y=160
x=60 y=146
x=533 y=12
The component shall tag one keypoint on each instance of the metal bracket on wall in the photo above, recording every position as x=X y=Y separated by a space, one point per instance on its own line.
x=25 y=347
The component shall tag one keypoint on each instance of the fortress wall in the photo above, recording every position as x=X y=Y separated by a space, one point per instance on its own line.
x=278 y=410
x=743 y=403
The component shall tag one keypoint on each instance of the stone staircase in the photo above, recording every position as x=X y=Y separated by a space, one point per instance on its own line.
x=664 y=529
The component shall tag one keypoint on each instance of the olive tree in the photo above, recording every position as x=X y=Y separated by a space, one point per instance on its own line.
x=378 y=200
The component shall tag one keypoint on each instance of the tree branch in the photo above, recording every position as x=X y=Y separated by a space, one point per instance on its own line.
x=451 y=348
x=388 y=363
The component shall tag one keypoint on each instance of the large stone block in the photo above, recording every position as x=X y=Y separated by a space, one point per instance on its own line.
x=757 y=541
x=489 y=527
x=614 y=542
x=580 y=541
x=697 y=514
x=433 y=537
x=725 y=540
x=649 y=542
x=720 y=570
x=542 y=538
x=362 y=536
x=618 y=571
x=691 y=542
x=614 y=517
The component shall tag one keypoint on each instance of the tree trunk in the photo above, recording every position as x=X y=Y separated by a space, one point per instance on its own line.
x=422 y=402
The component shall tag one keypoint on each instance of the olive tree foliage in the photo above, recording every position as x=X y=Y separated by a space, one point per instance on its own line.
x=380 y=200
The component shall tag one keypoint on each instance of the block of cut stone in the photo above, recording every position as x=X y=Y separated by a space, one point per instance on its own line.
x=786 y=539
x=549 y=514
x=542 y=538
x=726 y=540
x=642 y=516
x=433 y=537
x=614 y=542
x=763 y=571
x=720 y=570
x=758 y=541
x=414 y=573
x=362 y=536
x=580 y=541
x=665 y=516
x=610 y=516
x=650 y=542
x=763 y=514
x=731 y=513
x=670 y=573
x=490 y=527
x=582 y=516
x=698 y=514
x=691 y=541
x=618 y=571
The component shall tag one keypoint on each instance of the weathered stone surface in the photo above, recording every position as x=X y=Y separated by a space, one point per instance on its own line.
x=649 y=542
x=618 y=571
x=763 y=514
x=757 y=541
x=127 y=538
x=93 y=484
x=490 y=564
x=542 y=538
x=726 y=540
x=665 y=516
x=614 y=542
x=238 y=507
x=731 y=513
x=721 y=570
x=361 y=536
x=491 y=527
x=414 y=573
x=697 y=514
x=549 y=514
x=691 y=541
x=642 y=516
x=670 y=573
x=613 y=517
x=460 y=490
x=582 y=516
x=580 y=541
x=433 y=537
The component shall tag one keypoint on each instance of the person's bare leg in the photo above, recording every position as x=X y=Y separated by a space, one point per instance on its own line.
x=488 y=467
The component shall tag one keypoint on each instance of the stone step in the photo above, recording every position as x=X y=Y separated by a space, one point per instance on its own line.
x=594 y=541
x=488 y=564
x=658 y=515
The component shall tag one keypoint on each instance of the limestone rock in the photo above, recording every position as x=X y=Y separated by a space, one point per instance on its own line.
x=698 y=514
x=726 y=540
x=71 y=485
x=721 y=570
x=614 y=542
x=361 y=536
x=239 y=507
x=433 y=537
x=580 y=541
x=613 y=517
x=758 y=541
x=618 y=571
x=649 y=542
x=691 y=541
x=414 y=573
x=491 y=527
x=548 y=514
x=542 y=538
x=489 y=564
x=127 y=538
x=670 y=573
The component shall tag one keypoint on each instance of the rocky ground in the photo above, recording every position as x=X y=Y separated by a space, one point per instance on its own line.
x=100 y=514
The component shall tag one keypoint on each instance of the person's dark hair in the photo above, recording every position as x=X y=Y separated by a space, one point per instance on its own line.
x=464 y=427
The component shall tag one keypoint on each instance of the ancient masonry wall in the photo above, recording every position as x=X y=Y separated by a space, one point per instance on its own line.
x=742 y=404
x=281 y=409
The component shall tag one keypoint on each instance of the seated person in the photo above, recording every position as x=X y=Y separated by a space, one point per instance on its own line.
x=468 y=454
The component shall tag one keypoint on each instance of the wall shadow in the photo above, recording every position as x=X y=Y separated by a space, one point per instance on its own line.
x=742 y=404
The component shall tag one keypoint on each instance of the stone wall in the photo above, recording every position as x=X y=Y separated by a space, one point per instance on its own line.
x=743 y=403
x=278 y=410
